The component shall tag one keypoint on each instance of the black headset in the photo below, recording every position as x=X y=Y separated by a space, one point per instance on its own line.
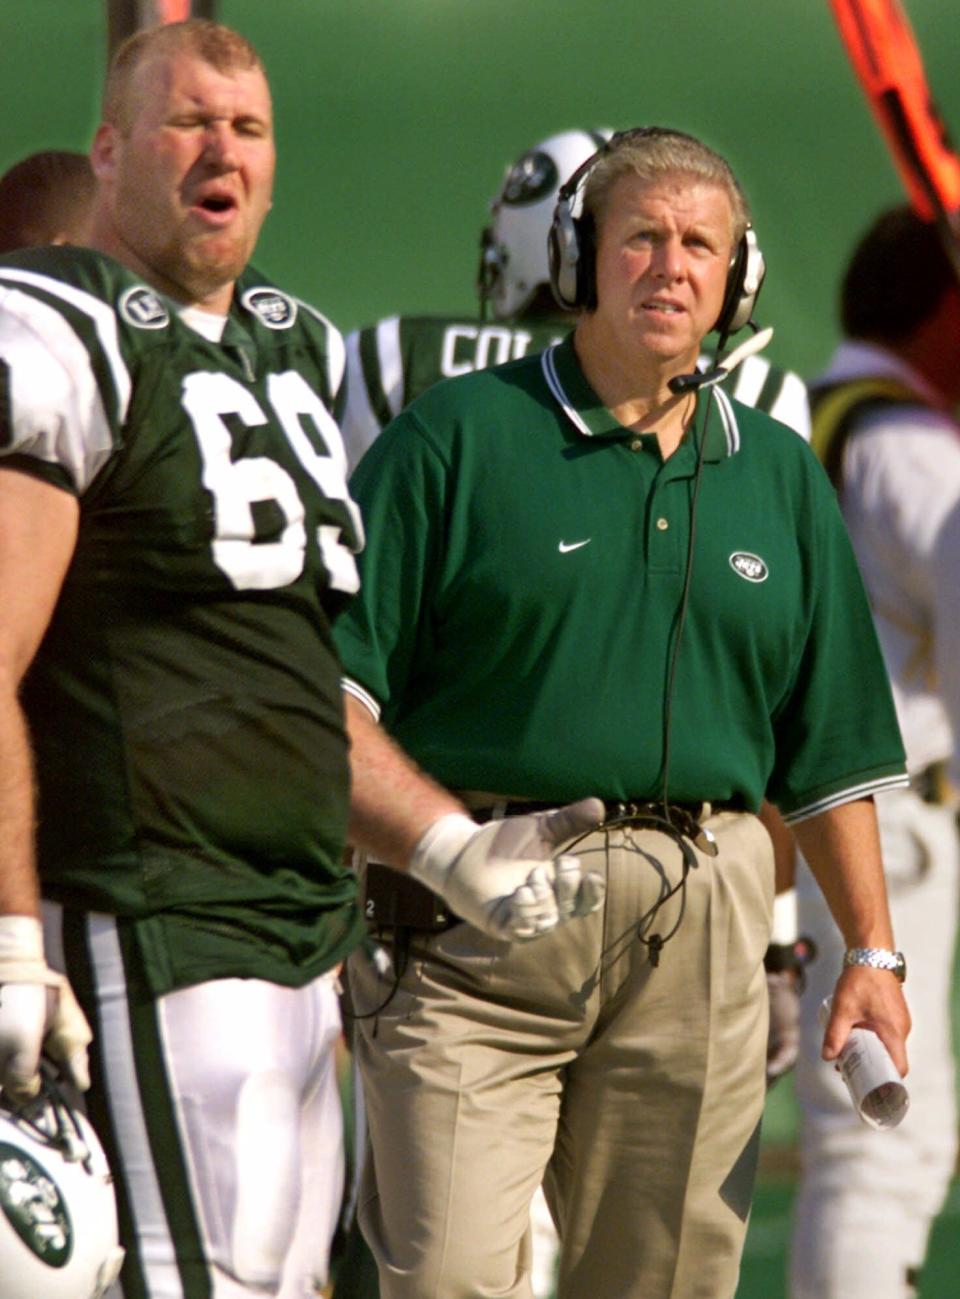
x=571 y=246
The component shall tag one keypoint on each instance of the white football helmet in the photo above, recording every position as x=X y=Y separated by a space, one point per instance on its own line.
x=513 y=247
x=58 y=1215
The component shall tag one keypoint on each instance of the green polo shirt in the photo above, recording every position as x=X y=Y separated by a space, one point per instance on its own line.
x=522 y=586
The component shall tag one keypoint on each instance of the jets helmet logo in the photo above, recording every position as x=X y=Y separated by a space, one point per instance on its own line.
x=750 y=567
x=34 y=1207
x=530 y=179
x=142 y=308
x=274 y=308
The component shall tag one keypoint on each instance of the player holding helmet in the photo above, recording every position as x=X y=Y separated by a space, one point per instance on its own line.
x=175 y=536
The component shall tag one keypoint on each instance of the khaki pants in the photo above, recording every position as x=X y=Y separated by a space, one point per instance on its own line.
x=635 y=1092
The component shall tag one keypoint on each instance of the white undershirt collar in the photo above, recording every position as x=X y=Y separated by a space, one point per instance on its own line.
x=207 y=323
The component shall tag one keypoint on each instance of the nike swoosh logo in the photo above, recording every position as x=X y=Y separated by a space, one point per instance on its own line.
x=566 y=546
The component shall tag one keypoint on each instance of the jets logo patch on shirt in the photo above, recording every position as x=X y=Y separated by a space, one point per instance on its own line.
x=274 y=308
x=750 y=567
x=142 y=308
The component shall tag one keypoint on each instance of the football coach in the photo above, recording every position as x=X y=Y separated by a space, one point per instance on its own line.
x=591 y=573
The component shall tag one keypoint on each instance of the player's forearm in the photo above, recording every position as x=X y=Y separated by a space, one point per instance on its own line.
x=19 y=890
x=392 y=801
x=842 y=848
x=38 y=531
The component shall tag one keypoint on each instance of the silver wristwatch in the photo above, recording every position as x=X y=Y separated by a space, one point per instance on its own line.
x=879 y=958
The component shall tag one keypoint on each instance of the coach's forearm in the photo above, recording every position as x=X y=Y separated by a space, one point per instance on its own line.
x=392 y=802
x=842 y=848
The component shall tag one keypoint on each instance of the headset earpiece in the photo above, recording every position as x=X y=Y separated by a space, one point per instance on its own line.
x=571 y=244
x=563 y=250
x=744 y=279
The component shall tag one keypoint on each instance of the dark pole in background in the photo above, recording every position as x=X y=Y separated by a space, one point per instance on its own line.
x=124 y=17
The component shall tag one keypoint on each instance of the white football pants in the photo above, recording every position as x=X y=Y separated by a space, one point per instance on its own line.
x=225 y=1128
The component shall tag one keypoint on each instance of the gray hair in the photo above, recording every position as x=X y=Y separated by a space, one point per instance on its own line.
x=651 y=152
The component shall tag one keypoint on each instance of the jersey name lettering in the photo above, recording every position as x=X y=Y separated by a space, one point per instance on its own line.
x=475 y=347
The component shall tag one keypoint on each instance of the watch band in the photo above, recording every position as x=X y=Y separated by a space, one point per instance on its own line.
x=878 y=958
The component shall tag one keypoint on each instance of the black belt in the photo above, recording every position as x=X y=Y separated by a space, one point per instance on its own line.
x=614 y=809
x=393 y=900
x=680 y=820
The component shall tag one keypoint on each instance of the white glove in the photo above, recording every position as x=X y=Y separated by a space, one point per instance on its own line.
x=503 y=877
x=38 y=1012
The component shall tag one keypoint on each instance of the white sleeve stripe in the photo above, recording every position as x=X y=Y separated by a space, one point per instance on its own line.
x=336 y=354
x=390 y=361
x=792 y=405
x=359 y=423
x=56 y=403
x=751 y=375
x=336 y=361
x=846 y=796
x=104 y=320
x=362 y=696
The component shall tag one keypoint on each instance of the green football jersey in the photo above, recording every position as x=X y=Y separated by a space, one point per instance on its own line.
x=184 y=705
x=394 y=361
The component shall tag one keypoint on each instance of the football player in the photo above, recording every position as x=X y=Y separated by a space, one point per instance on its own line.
x=393 y=361
x=175 y=538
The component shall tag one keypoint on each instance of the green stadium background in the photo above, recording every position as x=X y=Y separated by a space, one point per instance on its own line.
x=395 y=120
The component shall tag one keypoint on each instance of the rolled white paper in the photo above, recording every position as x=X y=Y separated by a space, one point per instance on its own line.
x=873 y=1080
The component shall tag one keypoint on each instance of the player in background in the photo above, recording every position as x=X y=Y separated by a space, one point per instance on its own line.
x=46 y=198
x=175 y=538
x=393 y=361
x=885 y=425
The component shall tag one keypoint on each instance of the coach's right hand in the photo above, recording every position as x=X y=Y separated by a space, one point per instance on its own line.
x=38 y=1012
x=505 y=877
